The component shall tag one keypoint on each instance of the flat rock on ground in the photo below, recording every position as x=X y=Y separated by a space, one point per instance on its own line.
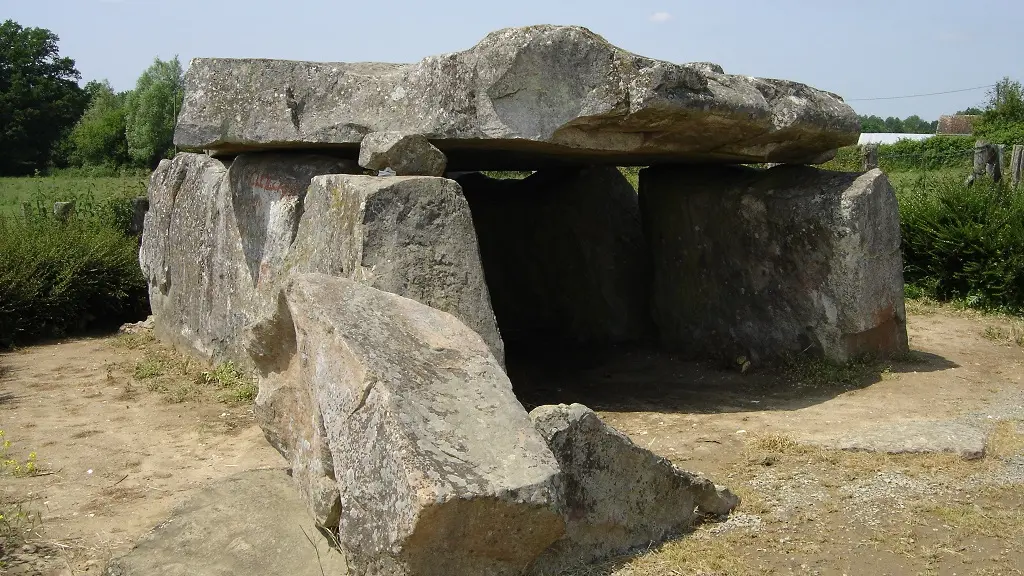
x=915 y=436
x=252 y=523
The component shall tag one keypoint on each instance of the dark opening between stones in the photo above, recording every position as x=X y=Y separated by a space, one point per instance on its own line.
x=567 y=267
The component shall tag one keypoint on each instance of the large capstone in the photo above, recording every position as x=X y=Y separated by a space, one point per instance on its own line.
x=221 y=236
x=438 y=467
x=770 y=262
x=616 y=496
x=520 y=99
x=565 y=256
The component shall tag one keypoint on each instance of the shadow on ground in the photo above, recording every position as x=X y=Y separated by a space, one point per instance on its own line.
x=652 y=381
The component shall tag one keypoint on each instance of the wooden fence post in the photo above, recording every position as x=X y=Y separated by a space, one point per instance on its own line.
x=1016 y=164
x=869 y=156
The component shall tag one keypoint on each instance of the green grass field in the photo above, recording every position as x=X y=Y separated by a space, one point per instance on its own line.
x=42 y=192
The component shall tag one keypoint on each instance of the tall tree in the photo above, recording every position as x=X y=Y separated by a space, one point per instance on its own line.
x=151 y=111
x=99 y=138
x=1002 y=122
x=40 y=99
x=894 y=124
x=872 y=124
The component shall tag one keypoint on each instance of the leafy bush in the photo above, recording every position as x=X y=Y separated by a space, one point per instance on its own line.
x=931 y=154
x=964 y=243
x=60 y=278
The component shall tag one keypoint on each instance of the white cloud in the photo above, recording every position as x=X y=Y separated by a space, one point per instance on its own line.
x=660 y=17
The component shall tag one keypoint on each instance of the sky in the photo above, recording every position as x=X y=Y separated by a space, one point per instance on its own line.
x=860 y=49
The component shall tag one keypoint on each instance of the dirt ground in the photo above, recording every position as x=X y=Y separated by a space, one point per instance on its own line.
x=123 y=430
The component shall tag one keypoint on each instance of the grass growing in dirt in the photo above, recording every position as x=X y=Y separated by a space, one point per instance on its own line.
x=182 y=378
x=18 y=524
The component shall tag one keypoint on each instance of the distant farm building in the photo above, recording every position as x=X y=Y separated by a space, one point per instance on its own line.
x=957 y=124
x=889 y=137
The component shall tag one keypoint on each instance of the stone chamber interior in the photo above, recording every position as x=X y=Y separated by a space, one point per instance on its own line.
x=569 y=275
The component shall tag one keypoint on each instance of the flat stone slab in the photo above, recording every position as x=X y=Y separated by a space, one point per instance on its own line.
x=251 y=523
x=915 y=437
x=522 y=98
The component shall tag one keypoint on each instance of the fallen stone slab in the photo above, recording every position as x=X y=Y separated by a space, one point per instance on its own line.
x=439 y=468
x=250 y=523
x=914 y=437
x=522 y=98
x=616 y=496
x=762 y=263
x=404 y=154
x=565 y=256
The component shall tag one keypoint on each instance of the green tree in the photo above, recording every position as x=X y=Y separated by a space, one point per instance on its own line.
x=1002 y=121
x=151 y=111
x=99 y=138
x=915 y=125
x=972 y=111
x=894 y=124
x=40 y=99
x=872 y=125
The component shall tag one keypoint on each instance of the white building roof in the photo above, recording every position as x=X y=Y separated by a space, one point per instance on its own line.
x=890 y=138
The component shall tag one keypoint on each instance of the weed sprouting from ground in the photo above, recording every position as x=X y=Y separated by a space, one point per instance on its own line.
x=18 y=524
x=238 y=386
x=12 y=465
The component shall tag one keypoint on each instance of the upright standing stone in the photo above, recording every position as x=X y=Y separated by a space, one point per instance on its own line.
x=767 y=262
x=439 y=469
x=869 y=154
x=986 y=162
x=139 y=208
x=408 y=235
x=215 y=239
x=1017 y=164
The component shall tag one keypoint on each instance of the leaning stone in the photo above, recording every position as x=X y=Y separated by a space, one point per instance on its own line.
x=616 y=495
x=408 y=235
x=250 y=523
x=522 y=98
x=763 y=263
x=404 y=154
x=565 y=256
x=439 y=469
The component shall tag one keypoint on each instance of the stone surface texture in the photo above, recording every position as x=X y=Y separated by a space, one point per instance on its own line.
x=412 y=236
x=766 y=262
x=250 y=523
x=220 y=237
x=405 y=154
x=439 y=468
x=564 y=255
x=520 y=97
x=616 y=496
x=965 y=439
